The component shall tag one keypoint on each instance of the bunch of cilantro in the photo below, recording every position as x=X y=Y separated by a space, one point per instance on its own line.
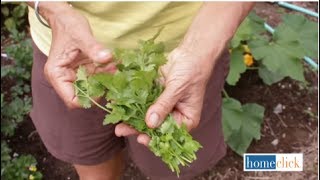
x=129 y=92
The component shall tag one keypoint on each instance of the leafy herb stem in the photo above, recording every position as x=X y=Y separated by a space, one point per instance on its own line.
x=225 y=93
x=92 y=100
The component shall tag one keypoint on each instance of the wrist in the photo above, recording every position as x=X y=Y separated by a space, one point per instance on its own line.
x=50 y=10
x=207 y=48
x=202 y=63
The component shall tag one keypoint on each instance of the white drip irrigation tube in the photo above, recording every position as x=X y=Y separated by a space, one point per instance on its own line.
x=298 y=8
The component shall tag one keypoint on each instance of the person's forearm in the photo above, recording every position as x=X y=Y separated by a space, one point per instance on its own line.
x=213 y=27
x=49 y=9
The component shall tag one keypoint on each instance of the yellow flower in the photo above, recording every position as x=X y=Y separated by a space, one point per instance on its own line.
x=230 y=50
x=33 y=168
x=31 y=177
x=248 y=59
x=246 y=48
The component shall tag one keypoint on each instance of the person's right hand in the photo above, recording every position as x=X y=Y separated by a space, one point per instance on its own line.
x=72 y=45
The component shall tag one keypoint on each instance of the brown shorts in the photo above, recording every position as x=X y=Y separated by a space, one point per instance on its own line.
x=78 y=136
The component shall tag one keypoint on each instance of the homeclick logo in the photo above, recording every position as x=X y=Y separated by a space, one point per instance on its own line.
x=272 y=162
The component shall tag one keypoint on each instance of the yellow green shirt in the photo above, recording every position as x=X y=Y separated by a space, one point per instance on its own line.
x=122 y=24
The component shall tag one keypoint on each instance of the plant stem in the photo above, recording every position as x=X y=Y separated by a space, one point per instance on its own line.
x=252 y=68
x=92 y=100
x=225 y=93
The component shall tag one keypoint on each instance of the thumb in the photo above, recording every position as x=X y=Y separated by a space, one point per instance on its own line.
x=161 y=108
x=95 y=51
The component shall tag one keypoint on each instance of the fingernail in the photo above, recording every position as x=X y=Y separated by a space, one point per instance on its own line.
x=154 y=119
x=103 y=54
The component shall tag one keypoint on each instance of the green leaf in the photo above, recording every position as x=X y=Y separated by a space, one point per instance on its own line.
x=269 y=77
x=19 y=11
x=241 y=124
x=82 y=73
x=237 y=66
x=81 y=86
x=130 y=92
x=282 y=55
x=249 y=29
x=5 y=11
x=112 y=118
x=5 y=155
x=305 y=31
x=103 y=79
x=95 y=89
x=167 y=127
x=10 y=24
x=157 y=59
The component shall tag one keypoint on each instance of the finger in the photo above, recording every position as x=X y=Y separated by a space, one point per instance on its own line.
x=123 y=129
x=63 y=57
x=143 y=139
x=92 y=69
x=182 y=119
x=162 y=107
x=95 y=50
x=110 y=68
x=62 y=82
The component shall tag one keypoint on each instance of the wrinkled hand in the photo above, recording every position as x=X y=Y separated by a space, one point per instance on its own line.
x=72 y=45
x=185 y=77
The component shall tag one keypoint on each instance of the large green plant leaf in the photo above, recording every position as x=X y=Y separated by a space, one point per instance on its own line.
x=241 y=124
x=306 y=32
x=237 y=66
x=249 y=29
x=281 y=55
x=269 y=77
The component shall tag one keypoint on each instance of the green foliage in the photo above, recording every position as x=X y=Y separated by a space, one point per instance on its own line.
x=130 y=91
x=279 y=55
x=282 y=55
x=15 y=104
x=5 y=155
x=14 y=14
x=17 y=168
x=305 y=31
x=21 y=54
x=237 y=66
x=250 y=29
x=13 y=113
x=241 y=123
x=269 y=77
x=19 y=72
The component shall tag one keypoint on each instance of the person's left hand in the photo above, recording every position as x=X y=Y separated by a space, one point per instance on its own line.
x=185 y=78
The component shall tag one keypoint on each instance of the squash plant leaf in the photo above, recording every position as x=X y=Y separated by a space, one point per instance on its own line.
x=237 y=66
x=282 y=54
x=305 y=31
x=241 y=124
x=249 y=29
x=269 y=77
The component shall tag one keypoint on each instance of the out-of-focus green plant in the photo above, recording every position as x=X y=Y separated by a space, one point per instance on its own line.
x=14 y=15
x=19 y=167
x=15 y=103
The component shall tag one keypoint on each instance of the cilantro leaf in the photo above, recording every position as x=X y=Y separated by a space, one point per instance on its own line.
x=129 y=92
